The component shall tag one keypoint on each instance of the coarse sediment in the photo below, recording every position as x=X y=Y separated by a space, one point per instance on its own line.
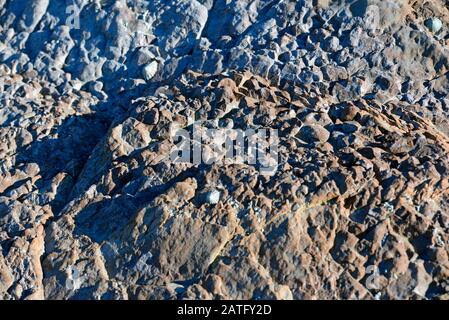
x=92 y=206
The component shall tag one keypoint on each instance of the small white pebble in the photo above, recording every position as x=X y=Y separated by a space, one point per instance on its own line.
x=149 y=71
x=213 y=197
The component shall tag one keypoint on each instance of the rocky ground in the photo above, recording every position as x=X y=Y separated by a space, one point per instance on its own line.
x=92 y=206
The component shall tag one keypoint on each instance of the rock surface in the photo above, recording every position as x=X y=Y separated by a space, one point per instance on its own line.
x=93 y=207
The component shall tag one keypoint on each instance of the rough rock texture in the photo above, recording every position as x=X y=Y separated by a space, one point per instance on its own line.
x=92 y=207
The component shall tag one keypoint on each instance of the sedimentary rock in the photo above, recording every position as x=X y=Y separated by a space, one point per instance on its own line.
x=97 y=95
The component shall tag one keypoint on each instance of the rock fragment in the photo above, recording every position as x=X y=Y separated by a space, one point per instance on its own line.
x=314 y=133
x=150 y=70
x=213 y=197
x=434 y=24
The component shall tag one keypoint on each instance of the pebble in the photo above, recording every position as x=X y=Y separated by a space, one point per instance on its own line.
x=213 y=197
x=314 y=133
x=150 y=70
x=434 y=24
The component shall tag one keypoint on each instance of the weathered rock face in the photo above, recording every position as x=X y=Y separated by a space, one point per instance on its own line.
x=93 y=206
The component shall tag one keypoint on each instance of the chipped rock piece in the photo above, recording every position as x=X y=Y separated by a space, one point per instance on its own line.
x=349 y=112
x=332 y=44
x=402 y=145
x=150 y=70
